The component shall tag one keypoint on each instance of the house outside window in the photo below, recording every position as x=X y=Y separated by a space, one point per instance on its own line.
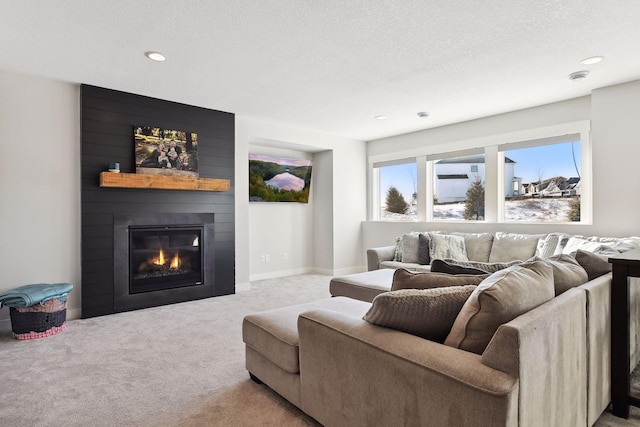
x=459 y=188
x=548 y=185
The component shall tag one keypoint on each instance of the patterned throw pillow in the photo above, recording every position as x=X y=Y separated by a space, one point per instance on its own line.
x=443 y=246
x=500 y=298
x=405 y=279
x=427 y=313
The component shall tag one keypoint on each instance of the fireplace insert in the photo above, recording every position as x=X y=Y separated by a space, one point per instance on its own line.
x=164 y=257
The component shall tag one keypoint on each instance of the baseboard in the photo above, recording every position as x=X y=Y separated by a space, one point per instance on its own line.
x=243 y=287
x=341 y=271
x=282 y=273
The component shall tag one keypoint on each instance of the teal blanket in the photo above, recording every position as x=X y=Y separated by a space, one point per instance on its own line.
x=28 y=295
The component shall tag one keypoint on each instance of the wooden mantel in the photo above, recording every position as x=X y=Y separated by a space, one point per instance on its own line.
x=158 y=182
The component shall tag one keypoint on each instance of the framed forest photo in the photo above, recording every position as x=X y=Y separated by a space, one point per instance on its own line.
x=165 y=151
x=279 y=179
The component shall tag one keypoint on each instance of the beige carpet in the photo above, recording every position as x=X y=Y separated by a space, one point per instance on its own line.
x=176 y=365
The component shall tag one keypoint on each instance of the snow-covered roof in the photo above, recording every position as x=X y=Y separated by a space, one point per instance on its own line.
x=476 y=158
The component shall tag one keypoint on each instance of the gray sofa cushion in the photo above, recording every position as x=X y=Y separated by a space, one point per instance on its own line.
x=500 y=298
x=404 y=279
x=478 y=245
x=513 y=246
x=427 y=313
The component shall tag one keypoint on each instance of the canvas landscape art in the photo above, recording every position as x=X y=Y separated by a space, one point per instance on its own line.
x=165 y=152
x=279 y=179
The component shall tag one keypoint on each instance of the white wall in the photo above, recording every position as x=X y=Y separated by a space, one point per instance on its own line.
x=331 y=242
x=39 y=185
x=288 y=251
x=613 y=112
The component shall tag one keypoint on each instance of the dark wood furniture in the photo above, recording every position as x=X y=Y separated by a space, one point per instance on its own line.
x=625 y=265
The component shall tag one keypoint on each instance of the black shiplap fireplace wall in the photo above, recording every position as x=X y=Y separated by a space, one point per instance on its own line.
x=107 y=122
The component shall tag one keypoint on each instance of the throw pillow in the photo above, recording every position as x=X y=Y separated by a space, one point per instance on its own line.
x=567 y=272
x=478 y=245
x=405 y=279
x=575 y=243
x=489 y=267
x=410 y=248
x=594 y=265
x=423 y=249
x=397 y=256
x=442 y=266
x=447 y=246
x=427 y=313
x=513 y=246
x=500 y=298
x=547 y=246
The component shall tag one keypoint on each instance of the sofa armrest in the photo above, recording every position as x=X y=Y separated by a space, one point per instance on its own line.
x=376 y=255
x=358 y=374
x=546 y=349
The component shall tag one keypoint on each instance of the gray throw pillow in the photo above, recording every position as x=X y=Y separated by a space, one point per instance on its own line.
x=423 y=249
x=405 y=279
x=427 y=313
x=442 y=266
x=500 y=298
x=410 y=248
x=567 y=273
x=594 y=265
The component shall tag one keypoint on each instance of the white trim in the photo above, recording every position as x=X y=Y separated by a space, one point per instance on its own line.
x=243 y=287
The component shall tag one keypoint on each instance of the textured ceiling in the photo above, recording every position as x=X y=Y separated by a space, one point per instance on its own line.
x=330 y=65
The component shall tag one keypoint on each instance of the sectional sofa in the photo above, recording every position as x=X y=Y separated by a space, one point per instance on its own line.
x=550 y=365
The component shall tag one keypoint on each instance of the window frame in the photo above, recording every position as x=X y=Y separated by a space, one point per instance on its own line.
x=494 y=175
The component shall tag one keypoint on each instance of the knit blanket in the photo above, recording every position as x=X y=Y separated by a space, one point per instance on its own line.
x=28 y=295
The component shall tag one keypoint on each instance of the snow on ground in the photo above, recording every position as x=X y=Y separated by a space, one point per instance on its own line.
x=548 y=210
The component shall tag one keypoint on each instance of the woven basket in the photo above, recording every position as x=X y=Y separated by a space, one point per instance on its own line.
x=39 y=320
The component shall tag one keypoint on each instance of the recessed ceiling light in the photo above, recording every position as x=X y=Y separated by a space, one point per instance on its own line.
x=156 y=56
x=423 y=114
x=578 y=75
x=592 y=60
x=380 y=117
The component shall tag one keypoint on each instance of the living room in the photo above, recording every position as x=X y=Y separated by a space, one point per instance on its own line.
x=40 y=181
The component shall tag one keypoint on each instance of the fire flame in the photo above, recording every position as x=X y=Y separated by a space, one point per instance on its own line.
x=161 y=260
x=175 y=262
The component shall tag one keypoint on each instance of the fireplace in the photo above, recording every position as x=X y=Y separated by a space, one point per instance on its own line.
x=162 y=258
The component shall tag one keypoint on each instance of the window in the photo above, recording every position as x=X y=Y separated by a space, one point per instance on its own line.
x=459 y=188
x=539 y=175
x=542 y=180
x=397 y=190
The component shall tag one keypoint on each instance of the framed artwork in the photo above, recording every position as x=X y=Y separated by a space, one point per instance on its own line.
x=165 y=151
x=279 y=179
